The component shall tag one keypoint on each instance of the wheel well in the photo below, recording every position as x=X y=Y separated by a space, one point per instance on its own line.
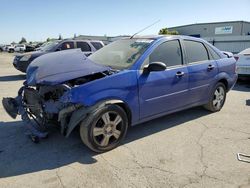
x=224 y=81
x=127 y=110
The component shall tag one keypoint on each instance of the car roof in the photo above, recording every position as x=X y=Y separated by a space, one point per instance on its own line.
x=82 y=40
x=157 y=37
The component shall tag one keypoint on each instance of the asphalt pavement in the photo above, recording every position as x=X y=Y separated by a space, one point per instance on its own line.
x=192 y=148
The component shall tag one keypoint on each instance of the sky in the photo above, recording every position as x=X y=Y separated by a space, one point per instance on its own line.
x=36 y=20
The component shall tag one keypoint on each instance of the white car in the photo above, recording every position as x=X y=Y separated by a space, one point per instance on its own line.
x=9 y=48
x=243 y=62
x=20 y=48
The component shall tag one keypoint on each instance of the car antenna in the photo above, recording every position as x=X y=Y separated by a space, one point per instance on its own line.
x=145 y=28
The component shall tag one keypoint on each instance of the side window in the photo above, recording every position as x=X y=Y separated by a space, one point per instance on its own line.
x=196 y=51
x=67 y=45
x=212 y=53
x=169 y=53
x=97 y=45
x=84 y=46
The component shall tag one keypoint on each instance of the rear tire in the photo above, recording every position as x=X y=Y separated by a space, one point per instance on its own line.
x=217 y=98
x=105 y=128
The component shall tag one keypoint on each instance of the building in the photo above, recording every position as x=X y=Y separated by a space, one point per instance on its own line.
x=233 y=36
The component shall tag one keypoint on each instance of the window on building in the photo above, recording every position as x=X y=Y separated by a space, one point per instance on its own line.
x=196 y=51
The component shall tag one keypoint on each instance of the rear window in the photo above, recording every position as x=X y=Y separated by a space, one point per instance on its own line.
x=97 y=45
x=196 y=51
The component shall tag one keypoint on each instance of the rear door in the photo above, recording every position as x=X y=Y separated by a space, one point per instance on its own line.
x=202 y=70
x=163 y=91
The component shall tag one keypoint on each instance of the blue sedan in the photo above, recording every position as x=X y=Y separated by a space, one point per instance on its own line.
x=125 y=83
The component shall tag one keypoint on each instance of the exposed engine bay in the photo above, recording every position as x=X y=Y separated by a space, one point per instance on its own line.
x=41 y=106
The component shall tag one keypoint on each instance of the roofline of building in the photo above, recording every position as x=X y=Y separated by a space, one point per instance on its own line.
x=209 y=23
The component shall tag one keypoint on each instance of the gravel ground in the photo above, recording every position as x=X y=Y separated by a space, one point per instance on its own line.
x=192 y=148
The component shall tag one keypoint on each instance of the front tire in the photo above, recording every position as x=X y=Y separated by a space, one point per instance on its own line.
x=217 y=98
x=105 y=128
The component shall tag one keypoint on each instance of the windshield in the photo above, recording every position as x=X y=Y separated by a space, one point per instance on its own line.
x=121 y=54
x=49 y=46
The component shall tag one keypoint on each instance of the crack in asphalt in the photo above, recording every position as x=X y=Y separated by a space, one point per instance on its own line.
x=146 y=166
x=59 y=178
x=205 y=167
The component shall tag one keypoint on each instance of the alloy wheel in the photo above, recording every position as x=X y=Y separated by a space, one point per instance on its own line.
x=107 y=129
x=219 y=97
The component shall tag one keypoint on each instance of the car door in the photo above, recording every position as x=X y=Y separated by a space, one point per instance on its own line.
x=202 y=70
x=85 y=47
x=163 y=91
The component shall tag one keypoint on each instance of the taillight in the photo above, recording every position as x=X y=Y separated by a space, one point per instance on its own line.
x=236 y=58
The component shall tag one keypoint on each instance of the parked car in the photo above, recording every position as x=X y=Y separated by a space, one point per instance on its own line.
x=29 y=48
x=1 y=48
x=10 y=48
x=243 y=63
x=39 y=45
x=20 y=48
x=125 y=83
x=21 y=61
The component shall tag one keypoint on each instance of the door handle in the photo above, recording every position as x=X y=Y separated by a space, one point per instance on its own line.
x=210 y=67
x=179 y=74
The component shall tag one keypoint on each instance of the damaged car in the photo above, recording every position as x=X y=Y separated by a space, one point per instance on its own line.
x=125 y=83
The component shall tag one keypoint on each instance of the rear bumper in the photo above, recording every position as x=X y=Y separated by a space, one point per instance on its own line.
x=244 y=75
x=243 y=70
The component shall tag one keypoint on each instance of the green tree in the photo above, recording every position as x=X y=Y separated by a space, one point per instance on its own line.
x=165 y=31
x=23 y=40
x=60 y=37
x=48 y=39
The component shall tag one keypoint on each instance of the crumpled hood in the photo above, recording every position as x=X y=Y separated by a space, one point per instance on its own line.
x=58 y=67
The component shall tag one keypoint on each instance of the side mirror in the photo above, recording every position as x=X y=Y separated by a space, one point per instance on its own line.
x=228 y=54
x=154 y=66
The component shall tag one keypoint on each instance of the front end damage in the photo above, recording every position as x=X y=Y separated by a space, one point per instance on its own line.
x=41 y=107
x=41 y=101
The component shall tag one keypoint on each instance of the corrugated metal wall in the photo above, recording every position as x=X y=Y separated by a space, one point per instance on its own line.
x=232 y=44
x=233 y=47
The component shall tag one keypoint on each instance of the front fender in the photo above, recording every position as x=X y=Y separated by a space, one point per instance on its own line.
x=120 y=86
x=80 y=114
